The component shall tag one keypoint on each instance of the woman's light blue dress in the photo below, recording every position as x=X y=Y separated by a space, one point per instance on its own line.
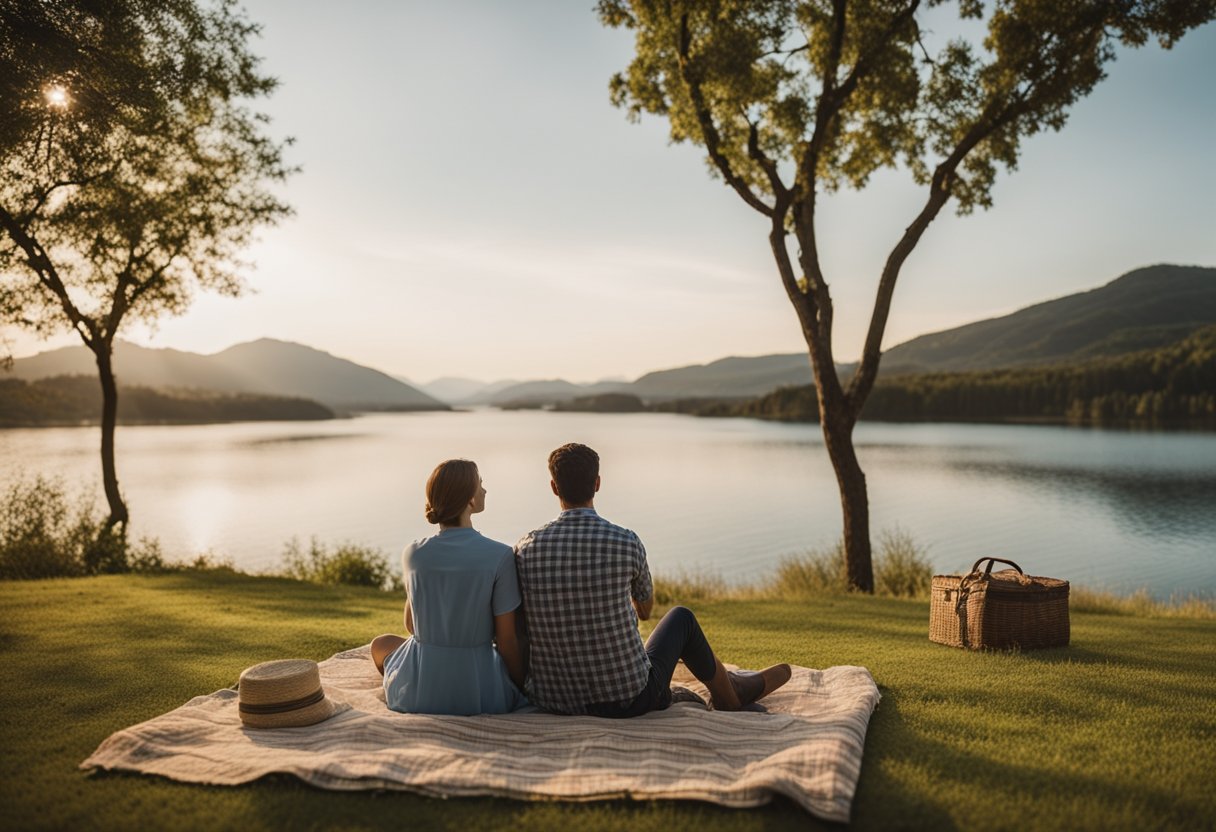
x=457 y=582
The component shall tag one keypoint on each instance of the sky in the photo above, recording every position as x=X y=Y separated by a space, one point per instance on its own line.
x=471 y=204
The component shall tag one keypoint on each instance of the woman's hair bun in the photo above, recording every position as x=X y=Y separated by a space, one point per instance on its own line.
x=450 y=489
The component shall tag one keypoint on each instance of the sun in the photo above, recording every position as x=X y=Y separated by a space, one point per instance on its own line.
x=57 y=96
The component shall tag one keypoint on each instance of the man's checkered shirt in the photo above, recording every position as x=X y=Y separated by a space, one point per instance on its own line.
x=577 y=575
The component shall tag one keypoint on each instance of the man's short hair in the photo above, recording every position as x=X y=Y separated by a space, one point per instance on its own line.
x=574 y=468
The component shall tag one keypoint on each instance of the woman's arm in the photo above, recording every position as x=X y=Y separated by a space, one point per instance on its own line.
x=409 y=618
x=508 y=647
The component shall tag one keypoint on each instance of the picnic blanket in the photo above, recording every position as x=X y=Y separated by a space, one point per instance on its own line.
x=807 y=745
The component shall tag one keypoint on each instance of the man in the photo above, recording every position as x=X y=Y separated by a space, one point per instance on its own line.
x=585 y=584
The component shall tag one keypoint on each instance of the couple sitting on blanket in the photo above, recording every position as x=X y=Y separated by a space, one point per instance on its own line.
x=584 y=583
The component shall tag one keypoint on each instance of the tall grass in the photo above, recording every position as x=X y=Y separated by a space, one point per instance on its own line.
x=1140 y=603
x=350 y=564
x=686 y=587
x=901 y=570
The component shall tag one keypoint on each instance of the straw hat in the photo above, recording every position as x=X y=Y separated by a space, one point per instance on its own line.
x=283 y=694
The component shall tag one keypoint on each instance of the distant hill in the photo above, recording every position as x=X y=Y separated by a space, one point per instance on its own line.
x=726 y=377
x=1144 y=309
x=266 y=367
x=550 y=391
x=449 y=389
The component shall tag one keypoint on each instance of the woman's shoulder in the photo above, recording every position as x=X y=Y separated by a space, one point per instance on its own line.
x=469 y=542
x=415 y=545
x=496 y=548
x=415 y=549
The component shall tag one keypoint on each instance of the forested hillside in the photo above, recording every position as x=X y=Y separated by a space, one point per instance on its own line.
x=1144 y=309
x=75 y=400
x=1170 y=386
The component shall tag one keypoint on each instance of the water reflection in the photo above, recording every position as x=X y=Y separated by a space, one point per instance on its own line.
x=1149 y=503
x=307 y=437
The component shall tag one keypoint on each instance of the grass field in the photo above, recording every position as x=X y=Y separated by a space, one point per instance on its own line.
x=1117 y=731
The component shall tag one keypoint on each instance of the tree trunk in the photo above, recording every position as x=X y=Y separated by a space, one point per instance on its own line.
x=854 y=500
x=109 y=419
x=836 y=414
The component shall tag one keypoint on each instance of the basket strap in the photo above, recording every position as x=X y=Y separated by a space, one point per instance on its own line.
x=976 y=567
x=960 y=608
x=964 y=589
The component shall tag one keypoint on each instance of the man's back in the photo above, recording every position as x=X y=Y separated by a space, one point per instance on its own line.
x=577 y=575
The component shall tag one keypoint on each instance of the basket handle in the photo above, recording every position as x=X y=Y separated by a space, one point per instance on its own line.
x=976 y=568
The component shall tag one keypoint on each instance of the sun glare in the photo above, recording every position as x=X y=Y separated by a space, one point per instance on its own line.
x=57 y=97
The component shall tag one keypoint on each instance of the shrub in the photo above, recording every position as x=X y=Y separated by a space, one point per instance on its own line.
x=43 y=536
x=812 y=573
x=901 y=568
x=686 y=587
x=349 y=564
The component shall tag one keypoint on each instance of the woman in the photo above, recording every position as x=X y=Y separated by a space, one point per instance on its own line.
x=462 y=594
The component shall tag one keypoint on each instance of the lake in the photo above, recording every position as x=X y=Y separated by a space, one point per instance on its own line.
x=1102 y=508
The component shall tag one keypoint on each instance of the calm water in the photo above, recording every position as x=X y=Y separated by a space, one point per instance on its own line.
x=730 y=496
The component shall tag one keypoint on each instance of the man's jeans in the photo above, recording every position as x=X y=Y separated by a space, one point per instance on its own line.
x=677 y=636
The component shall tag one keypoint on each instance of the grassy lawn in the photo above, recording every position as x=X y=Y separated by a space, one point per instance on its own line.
x=1116 y=732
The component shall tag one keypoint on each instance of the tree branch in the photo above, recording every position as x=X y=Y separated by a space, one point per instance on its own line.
x=920 y=42
x=825 y=111
x=118 y=300
x=780 y=191
x=865 y=62
x=121 y=302
x=709 y=131
x=54 y=186
x=832 y=97
x=48 y=275
x=944 y=177
x=155 y=276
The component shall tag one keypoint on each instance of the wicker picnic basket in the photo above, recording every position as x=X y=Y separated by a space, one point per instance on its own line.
x=1000 y=610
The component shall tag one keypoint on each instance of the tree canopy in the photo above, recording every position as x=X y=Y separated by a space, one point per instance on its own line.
x=793 y=98
x=133 y=168
x=789 y=94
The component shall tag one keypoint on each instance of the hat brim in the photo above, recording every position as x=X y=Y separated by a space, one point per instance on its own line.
x=309 y=715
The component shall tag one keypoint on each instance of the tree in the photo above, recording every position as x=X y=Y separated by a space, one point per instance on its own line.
x=132 y=169
x=791 y=99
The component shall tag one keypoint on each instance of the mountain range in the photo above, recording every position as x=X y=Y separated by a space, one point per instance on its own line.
x=265 y=366
x=1145 y=308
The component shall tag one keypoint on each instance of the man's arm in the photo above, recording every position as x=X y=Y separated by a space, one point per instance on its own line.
x=643 y=608
x=641 y=593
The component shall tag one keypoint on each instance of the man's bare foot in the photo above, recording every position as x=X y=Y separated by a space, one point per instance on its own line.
x=751 y=685
x=722 y=692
